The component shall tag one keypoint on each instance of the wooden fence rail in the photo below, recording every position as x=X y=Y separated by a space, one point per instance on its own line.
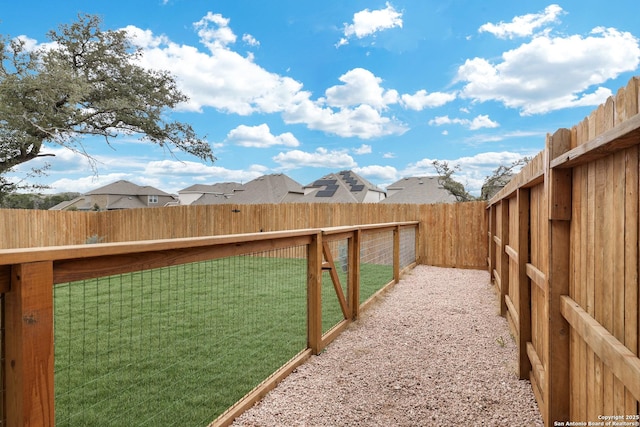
x=27 y=278
x=563 y=253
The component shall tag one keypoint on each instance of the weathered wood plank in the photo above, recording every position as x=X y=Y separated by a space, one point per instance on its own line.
x=314 y=294
x=624 y=135
x=28 y=336
x=68 y=270
x=557 y=358
x=624 y=364
x=504 y=258
x=631 y=294
x=524 y=285
x=513 y=312
x=537 y=277
x=536 y=364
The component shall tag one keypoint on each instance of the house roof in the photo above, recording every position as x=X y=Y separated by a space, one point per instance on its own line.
x=127 y=188
x=127 y=202
x=216 y=198
x=421 y=190
x=60 y=206
x=274 y=188
x=218 y=188
x=341 y=187
x=213 y=194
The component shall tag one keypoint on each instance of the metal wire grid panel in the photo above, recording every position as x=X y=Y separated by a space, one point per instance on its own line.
x=408 y=236
x=376 y=262
x=177 y=345
x=331 y=312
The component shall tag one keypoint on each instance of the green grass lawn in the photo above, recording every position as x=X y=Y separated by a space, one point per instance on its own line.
x=180 y=345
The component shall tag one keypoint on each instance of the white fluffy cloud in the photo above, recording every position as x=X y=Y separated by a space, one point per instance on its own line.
x=229 y=82
x=552 y=72
x=421 y=100
x=377 y=172
x=479 y=122
x=360 y=87
x=362 y=121
x=260 y=137
x=321 y=158
x=363 y=149
x=204 y=172
x=524 y=25
x=368 y=22
x=250 y=40
x=214 y=31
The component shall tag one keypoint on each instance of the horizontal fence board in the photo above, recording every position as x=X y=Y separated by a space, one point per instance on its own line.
x=622 y=362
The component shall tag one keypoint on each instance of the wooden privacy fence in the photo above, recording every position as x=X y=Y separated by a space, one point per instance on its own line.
x=452 y=234
x=563 y=252
x=28 y=277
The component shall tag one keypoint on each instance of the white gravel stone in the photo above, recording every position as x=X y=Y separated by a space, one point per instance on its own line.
x=432 y=352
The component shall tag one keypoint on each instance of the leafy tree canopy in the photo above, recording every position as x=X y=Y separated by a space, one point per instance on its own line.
x=85 y=82
x=492 y=183
x=34 y=201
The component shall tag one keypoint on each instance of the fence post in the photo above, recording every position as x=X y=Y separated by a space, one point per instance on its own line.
x=558 y=186
x=491 y=264
x=504 y=257
x=354 y=273
x=524 y=284
x=396 y=253
x=314 y=293
x=29 y=345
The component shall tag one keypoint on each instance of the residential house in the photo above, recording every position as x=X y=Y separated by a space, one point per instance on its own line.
x=342 y=187
x=421 y=190
x=119 y=195
x=274 y=188
x=203 y=194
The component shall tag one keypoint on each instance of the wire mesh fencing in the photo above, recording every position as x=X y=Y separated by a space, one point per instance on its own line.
x=408 y=237
x=376 y=262
x=176 y=345
x=331 y=311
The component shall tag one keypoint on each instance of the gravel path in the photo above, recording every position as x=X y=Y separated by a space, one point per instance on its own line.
x=432 y=352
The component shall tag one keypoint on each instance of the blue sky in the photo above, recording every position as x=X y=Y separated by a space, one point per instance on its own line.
x=379 y=87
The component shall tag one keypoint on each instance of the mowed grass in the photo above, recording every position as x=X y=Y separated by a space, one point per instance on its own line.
x=180 y=345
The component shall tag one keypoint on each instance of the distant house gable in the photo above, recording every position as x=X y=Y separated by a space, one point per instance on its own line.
x=121 y=195
x=203 y=194
x=274 y=188
x=420 y=190
x=342 y=187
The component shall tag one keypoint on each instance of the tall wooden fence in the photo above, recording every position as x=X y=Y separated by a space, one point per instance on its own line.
x=452 y=235
x=563 y=252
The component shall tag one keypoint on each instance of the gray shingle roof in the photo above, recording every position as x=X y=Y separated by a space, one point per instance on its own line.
x=274 y=188
x=127 y=188
x=421 y=190
x=127 y=202
x=218 y=188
